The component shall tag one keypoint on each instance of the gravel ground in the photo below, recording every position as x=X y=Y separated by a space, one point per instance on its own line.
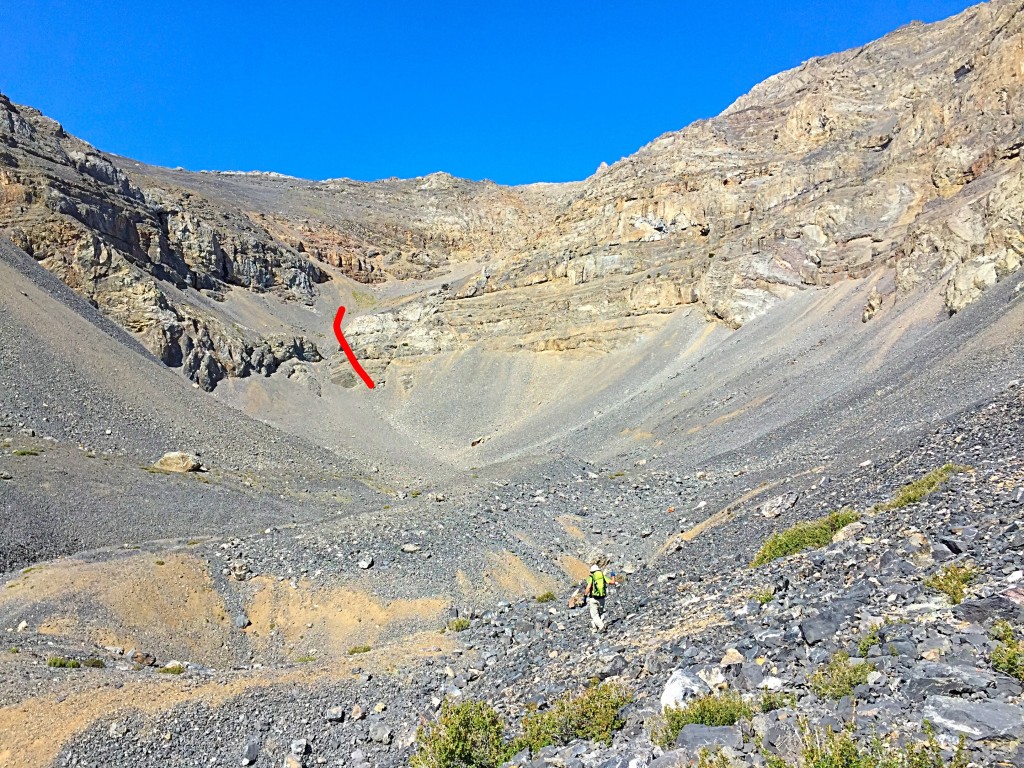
x=680 y=513
x=678 y=614
x=74 y=387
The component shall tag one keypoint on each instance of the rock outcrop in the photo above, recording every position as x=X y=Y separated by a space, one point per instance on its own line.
x=141 y=256
x=902 y=155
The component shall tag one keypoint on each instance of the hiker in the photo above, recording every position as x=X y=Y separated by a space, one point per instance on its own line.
x=597 y=589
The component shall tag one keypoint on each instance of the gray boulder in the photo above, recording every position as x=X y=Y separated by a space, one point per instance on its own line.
x=817 y=629
x=677 y=758
x=380 y=733
x=697 y=737
x=994 y=607
x=682 y=686
x=251 y=752
x=977 y=720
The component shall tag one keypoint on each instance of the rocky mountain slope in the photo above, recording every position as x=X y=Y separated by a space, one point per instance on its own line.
x=298 y=665
x=902 y=155
x=91 y=411
x=803 y=305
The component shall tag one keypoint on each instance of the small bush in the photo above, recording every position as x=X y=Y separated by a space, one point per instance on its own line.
x=415 y=494
x=457 y=625
x=716 y=759
x=14 y=649
x=360 y=649
x=94 y=663
x=867 y=642
x=471 y=734
x=764 y=596
x=810 y=535
x=952 y=582
x=1003 y=630
x=839 y=677
x=59 y=662
x=713 y=709
x=26 y=452
x=770 y=701
x=466 y=735
x=825 y=748
x=547 y=597
x=1008 y=657
x=917 y=490
x=171 y=669
x=306 y=659
x=593 y=715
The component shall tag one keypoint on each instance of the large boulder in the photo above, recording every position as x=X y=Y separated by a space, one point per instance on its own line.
x=977 y=720
x=178 y=461
x=682 y=686
x=1008 y=606
x=695 y=738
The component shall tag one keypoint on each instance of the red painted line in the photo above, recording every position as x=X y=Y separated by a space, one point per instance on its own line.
x=348 y=350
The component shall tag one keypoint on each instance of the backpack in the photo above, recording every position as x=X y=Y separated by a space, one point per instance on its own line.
x=599 y=584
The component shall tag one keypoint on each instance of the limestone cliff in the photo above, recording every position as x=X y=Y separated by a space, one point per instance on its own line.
x=902 y=155
x=133 y=252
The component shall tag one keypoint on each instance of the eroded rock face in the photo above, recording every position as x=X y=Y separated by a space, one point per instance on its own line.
x=131 y=252
x=903 y=156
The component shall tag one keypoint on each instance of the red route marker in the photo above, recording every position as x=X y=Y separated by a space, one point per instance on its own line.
x=348 y=350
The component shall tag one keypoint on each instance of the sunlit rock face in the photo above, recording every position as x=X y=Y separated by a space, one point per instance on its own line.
x=903 y=155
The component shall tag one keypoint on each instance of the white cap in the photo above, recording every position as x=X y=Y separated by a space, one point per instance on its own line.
x=594 y=569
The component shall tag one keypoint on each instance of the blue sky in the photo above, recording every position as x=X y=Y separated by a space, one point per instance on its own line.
x=514 y=92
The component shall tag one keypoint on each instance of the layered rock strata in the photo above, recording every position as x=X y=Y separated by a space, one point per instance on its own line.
x=902 y=155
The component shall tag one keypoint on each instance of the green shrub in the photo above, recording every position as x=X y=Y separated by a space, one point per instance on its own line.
x=592 y=715
x=764 y=596
x=1003 y=630
x=471 y=734
x=810 y=535
x=952 y=581
x=716 y=759
x=466 y=735
x=829 y=749
x=547 y=597
x=1008 y=656
x=94 y=663
x=770 y=701
x=60 y=662
x=713 y=709
x=171 y=669
x=867 y=642
x=306 y=659
x=917 y=490
x=26 y=452
x=359 y=649
x=457 y=625
x=839 y=677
